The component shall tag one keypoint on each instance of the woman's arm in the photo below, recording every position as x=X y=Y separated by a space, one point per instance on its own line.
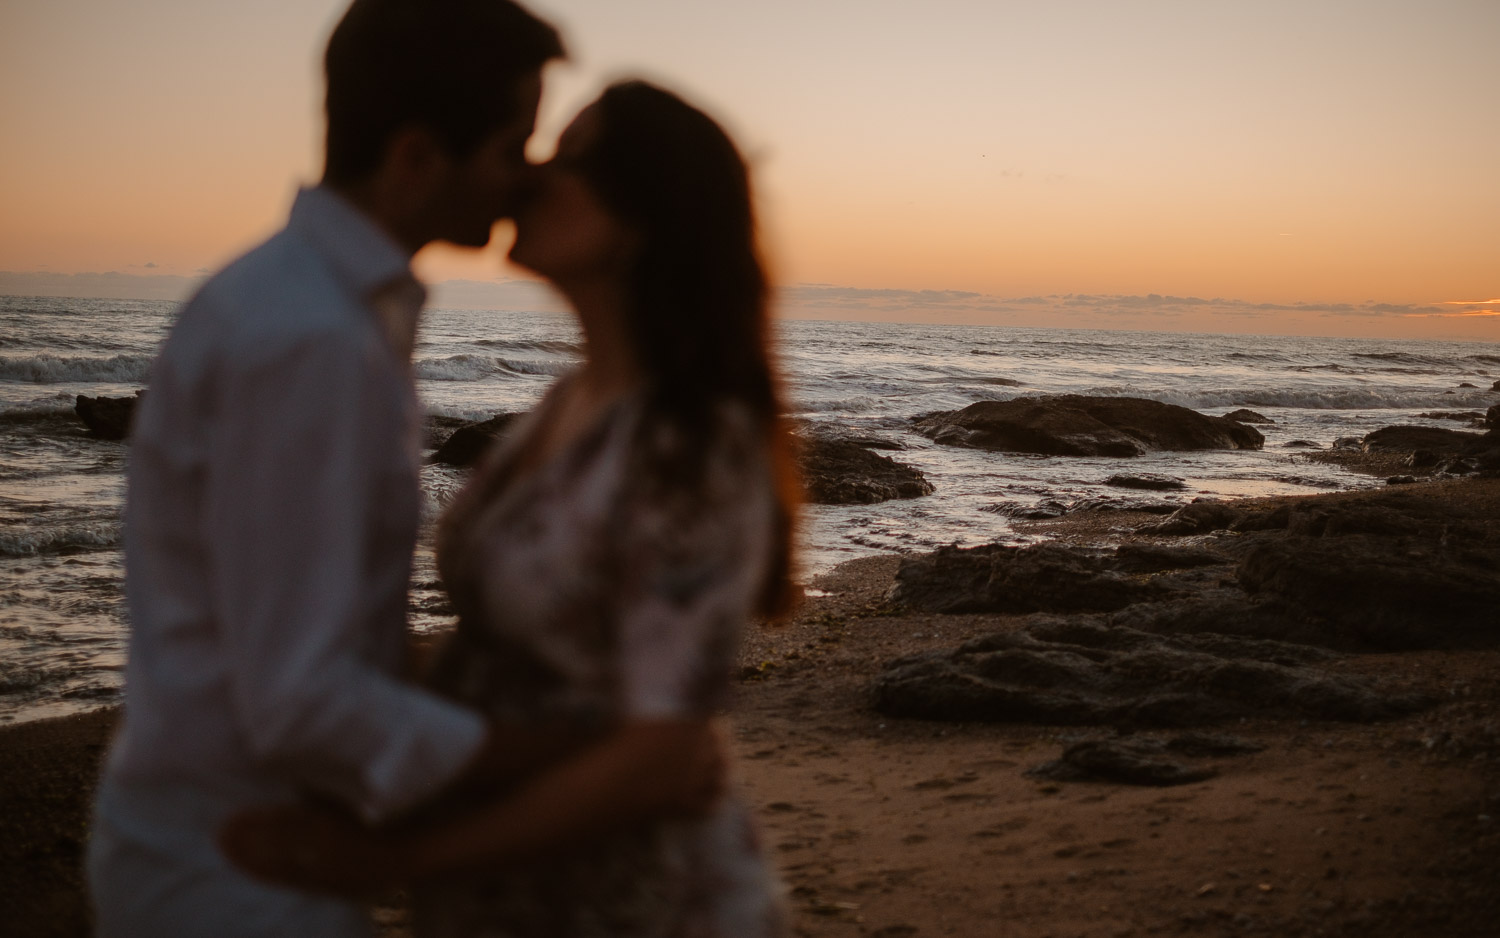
x=643 y=770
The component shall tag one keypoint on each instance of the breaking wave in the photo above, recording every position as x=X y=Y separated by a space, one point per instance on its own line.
x=55 y=369
x=521 y=345
x=477 y=367
x=60 y=540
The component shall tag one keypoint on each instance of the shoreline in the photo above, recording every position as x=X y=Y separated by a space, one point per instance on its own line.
x=904 y=827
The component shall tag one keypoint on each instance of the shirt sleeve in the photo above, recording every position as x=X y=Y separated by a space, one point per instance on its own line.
x=293 y=513
x=692 y=562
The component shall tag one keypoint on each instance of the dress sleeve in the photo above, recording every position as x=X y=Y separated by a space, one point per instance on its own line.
x=692 y=562
x=293 y=507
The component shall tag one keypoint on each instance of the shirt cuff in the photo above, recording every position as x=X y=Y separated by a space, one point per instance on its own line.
x=436 y=742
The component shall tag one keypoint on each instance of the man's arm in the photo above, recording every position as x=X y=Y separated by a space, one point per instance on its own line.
x=293 y=500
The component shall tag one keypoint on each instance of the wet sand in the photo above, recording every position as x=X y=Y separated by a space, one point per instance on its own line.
x=892 y=828
x=895 y=828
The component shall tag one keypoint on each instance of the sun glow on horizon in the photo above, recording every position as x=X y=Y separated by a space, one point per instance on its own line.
x=1279 y=154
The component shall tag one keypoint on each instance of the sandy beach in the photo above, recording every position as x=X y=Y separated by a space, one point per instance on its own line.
x=904 y=827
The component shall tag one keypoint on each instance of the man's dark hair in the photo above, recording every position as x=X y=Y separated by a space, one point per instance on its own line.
x=450 y=66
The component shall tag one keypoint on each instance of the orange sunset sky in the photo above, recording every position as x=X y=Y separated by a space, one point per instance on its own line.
x=1310 y=167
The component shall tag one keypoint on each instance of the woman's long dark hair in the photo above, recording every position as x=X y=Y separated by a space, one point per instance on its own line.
x=698 y=291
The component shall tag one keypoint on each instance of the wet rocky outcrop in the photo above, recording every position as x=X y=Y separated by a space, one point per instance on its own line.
x=436 y=428
x=1244 y=415
x=1148 y=481
x=108 y=418
x=997 y=578
x=1197 y=518
x=1407 y=439
x=1066 y=672
x=1079 y=425
x=844 y=472
x=465 y=445
x=1401 y=591
x=1440 y=450
x=1471 y=417
x=1395 y=570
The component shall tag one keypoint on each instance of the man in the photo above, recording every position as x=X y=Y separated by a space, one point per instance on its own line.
x=273 y=495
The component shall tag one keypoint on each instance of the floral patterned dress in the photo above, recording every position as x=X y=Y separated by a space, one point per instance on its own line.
x=592 y=589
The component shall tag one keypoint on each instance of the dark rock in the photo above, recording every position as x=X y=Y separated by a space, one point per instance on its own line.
x=1413 y=588
x=1155 y=558
x=1197 y=518
x=1228 y=612
x=1155 y=483
x=1076 y=425
x=1403 y=568
x=1066 y=672
x=1408 y=439
x=998 y=578
x=824 y=432
x=1480 y=455
x=1050 y=509
x=107 y=418
x=1301 y=444
x=1001 y=382
x=1467 y=384
x=1335 y=521
x=1348 y=442
x=1044 y=511
x=1127 y=761
x=1423 y=459
x=1247 y=416
x=1472 y=417
x=1487 y=460
x=876 y=442
x=436 y=429
x=1495 y=386
x=468 y=443
x=1492 y=417
x=1401 y=480
x=842 y=472
x=1102 y=503
x=1203 y=745
x=1275 y=519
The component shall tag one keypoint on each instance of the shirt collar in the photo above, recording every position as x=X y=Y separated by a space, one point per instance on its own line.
x=362 y=255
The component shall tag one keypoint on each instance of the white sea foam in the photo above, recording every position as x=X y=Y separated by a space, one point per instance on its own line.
x=527 y=367
x=46 y=368
x=573 y=349
x=30 y=412
x=57 y=540
x=479 y=367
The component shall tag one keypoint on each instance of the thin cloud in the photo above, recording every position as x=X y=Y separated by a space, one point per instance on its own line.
x=1466 y=314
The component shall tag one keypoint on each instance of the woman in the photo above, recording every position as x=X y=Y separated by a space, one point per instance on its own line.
x=603 y=560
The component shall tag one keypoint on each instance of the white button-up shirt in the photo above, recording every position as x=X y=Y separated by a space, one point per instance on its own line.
x=272 y=510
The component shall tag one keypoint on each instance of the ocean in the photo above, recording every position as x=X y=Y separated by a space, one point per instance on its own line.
x=62 y=617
